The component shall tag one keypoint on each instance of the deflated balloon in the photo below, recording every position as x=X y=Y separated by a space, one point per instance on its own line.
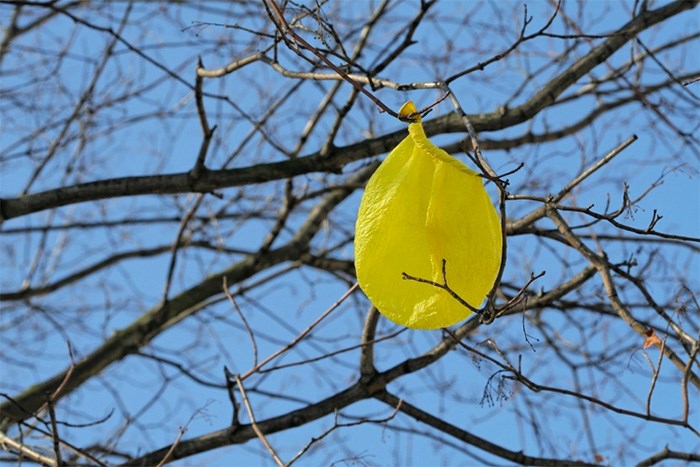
x=420 y=208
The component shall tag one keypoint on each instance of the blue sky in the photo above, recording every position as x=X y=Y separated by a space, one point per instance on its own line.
x=278 y=311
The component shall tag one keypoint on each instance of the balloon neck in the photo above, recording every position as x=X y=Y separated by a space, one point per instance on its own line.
x=408 y=113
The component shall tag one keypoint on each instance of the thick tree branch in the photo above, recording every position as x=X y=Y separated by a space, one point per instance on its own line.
x=517 y=457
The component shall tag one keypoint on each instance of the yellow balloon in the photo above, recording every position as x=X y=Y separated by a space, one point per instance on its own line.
x=420 y=208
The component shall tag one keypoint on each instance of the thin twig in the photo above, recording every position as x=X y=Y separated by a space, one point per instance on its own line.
x=208 y=132
x=54 y=433
x=54 y=395
x=337 y=425
x=666 y=453
x=176 y=246
x=513 y=302
x=349 y=348
x=303 y=333
x=684 y=379
x=257 y=431
x=444 y=286
x=655 y=377
x=248 y=329
x=180 y=434
x=10 y=445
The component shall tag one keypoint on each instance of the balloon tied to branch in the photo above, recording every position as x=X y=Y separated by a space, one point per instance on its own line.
x=427 y=239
